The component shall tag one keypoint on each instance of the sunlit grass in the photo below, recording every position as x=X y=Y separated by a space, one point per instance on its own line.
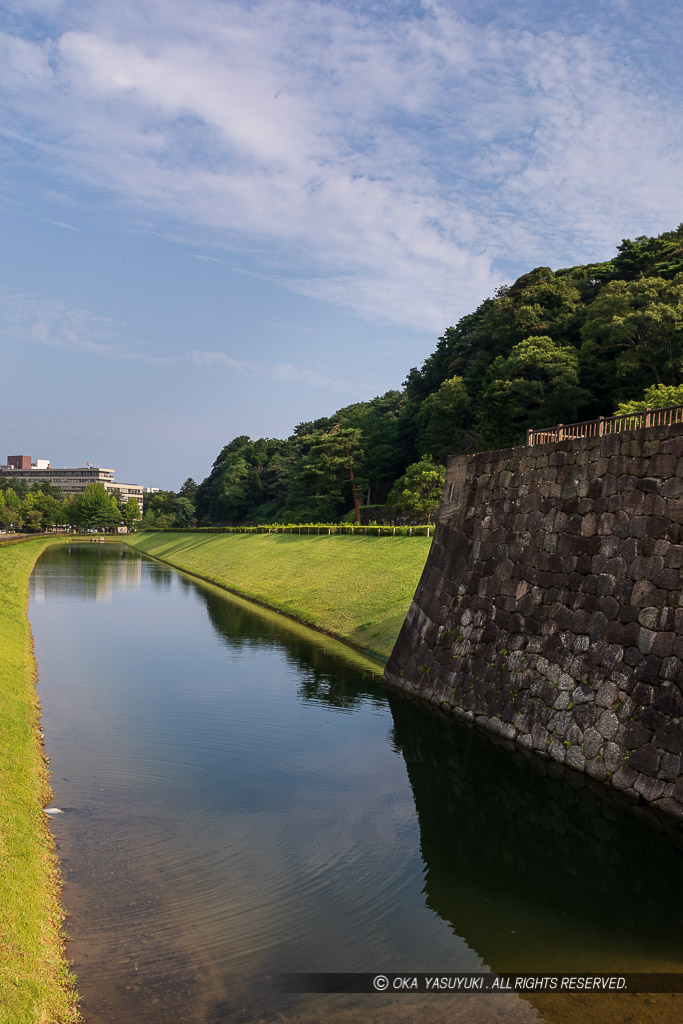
x=356 y=588
x=35 y=985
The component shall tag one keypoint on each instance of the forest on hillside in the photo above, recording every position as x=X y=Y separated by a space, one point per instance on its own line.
x=554 y=347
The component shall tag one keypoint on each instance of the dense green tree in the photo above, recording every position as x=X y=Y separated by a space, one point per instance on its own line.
x=443 y=421
x=331 y=460
x=635 y=329
x=131 y=513
x=188 y=490
x=537 y=384
x=418 y=492
x=384 y=456
x=657 y=396
x=94 y=509
x=31 y=516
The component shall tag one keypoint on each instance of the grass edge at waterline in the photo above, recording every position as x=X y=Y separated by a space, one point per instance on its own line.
x=36 y=984
x=354 y=588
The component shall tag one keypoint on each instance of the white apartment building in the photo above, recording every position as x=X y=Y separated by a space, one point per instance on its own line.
x=69 y=481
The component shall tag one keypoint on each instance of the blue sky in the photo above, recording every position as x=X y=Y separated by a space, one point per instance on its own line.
x=223 y=218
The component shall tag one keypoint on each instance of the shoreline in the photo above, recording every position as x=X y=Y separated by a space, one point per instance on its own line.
x=303 y=589
x=35 y=976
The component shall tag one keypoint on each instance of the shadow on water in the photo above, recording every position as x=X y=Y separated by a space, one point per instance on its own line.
x=539 y=868
x=328 y=672
x=522 y=864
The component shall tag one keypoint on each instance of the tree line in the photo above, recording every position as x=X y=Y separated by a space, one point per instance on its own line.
x=554 y=347
x=42 y=506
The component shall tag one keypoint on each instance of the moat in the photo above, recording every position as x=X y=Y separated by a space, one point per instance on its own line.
x=242 y=799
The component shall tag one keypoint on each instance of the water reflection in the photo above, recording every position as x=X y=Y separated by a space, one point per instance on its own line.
x=243 y=798
x=101 y=569
x=539 y=868
x=328 y=673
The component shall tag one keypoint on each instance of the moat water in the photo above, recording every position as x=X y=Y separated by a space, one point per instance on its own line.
x=242 y=799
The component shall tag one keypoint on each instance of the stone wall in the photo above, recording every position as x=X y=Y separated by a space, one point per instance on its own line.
x=550 y=609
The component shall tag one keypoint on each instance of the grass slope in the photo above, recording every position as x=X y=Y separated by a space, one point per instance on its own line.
x=35 y=985
x=356 y=588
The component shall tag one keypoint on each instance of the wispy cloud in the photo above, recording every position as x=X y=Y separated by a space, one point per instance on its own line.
x=393 y=161
x=63 y=224
x=286 y=372
x=27 y=320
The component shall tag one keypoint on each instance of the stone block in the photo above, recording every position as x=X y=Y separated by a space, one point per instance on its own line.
x=605 y=584
x=668 y=579
x=632 y=656
x=674 y=557
x=613 y=633
x=645 y=760
x=669 y=737
x=662 y=644
x=556 y=750
x=650 y=789
x=636 y=735
x=609 y=546
x=580 y=622
x=584 y=716
x=672 y=488
x=638 y=526
x=607 y=695
x=624 y=778
x=596 y=769
x=663 y=465
x=607 y=725
x=645 y=594
x=613 y=756
x=649 y=618
x=658 y=523
x=670 y=767
x=672 y=446
x=592 y=742
x=646 y=639
x=672 y=670
x=647 y=670
x=575 y=758
x=606 y=524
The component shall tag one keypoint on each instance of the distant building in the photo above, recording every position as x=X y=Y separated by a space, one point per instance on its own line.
x=69 y=481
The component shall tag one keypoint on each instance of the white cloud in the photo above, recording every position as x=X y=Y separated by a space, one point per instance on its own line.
x=392 y=166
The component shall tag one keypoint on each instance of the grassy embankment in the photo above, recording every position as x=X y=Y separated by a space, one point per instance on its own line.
x=355 y=588
x=35 y=984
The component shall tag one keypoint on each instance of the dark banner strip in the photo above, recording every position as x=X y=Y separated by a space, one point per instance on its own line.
x=472 y=983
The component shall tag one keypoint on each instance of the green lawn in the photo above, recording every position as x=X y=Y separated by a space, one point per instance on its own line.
x=35 y=985
x=356 y=588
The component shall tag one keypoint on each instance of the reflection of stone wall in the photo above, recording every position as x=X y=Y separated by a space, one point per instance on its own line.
x=550 y=608
x=537 y=868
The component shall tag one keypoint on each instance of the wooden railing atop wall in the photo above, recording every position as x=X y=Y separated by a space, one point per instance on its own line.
x=607 y=425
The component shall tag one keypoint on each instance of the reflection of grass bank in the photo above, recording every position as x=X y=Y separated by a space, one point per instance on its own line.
x=34 y=982
x=356 y=588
